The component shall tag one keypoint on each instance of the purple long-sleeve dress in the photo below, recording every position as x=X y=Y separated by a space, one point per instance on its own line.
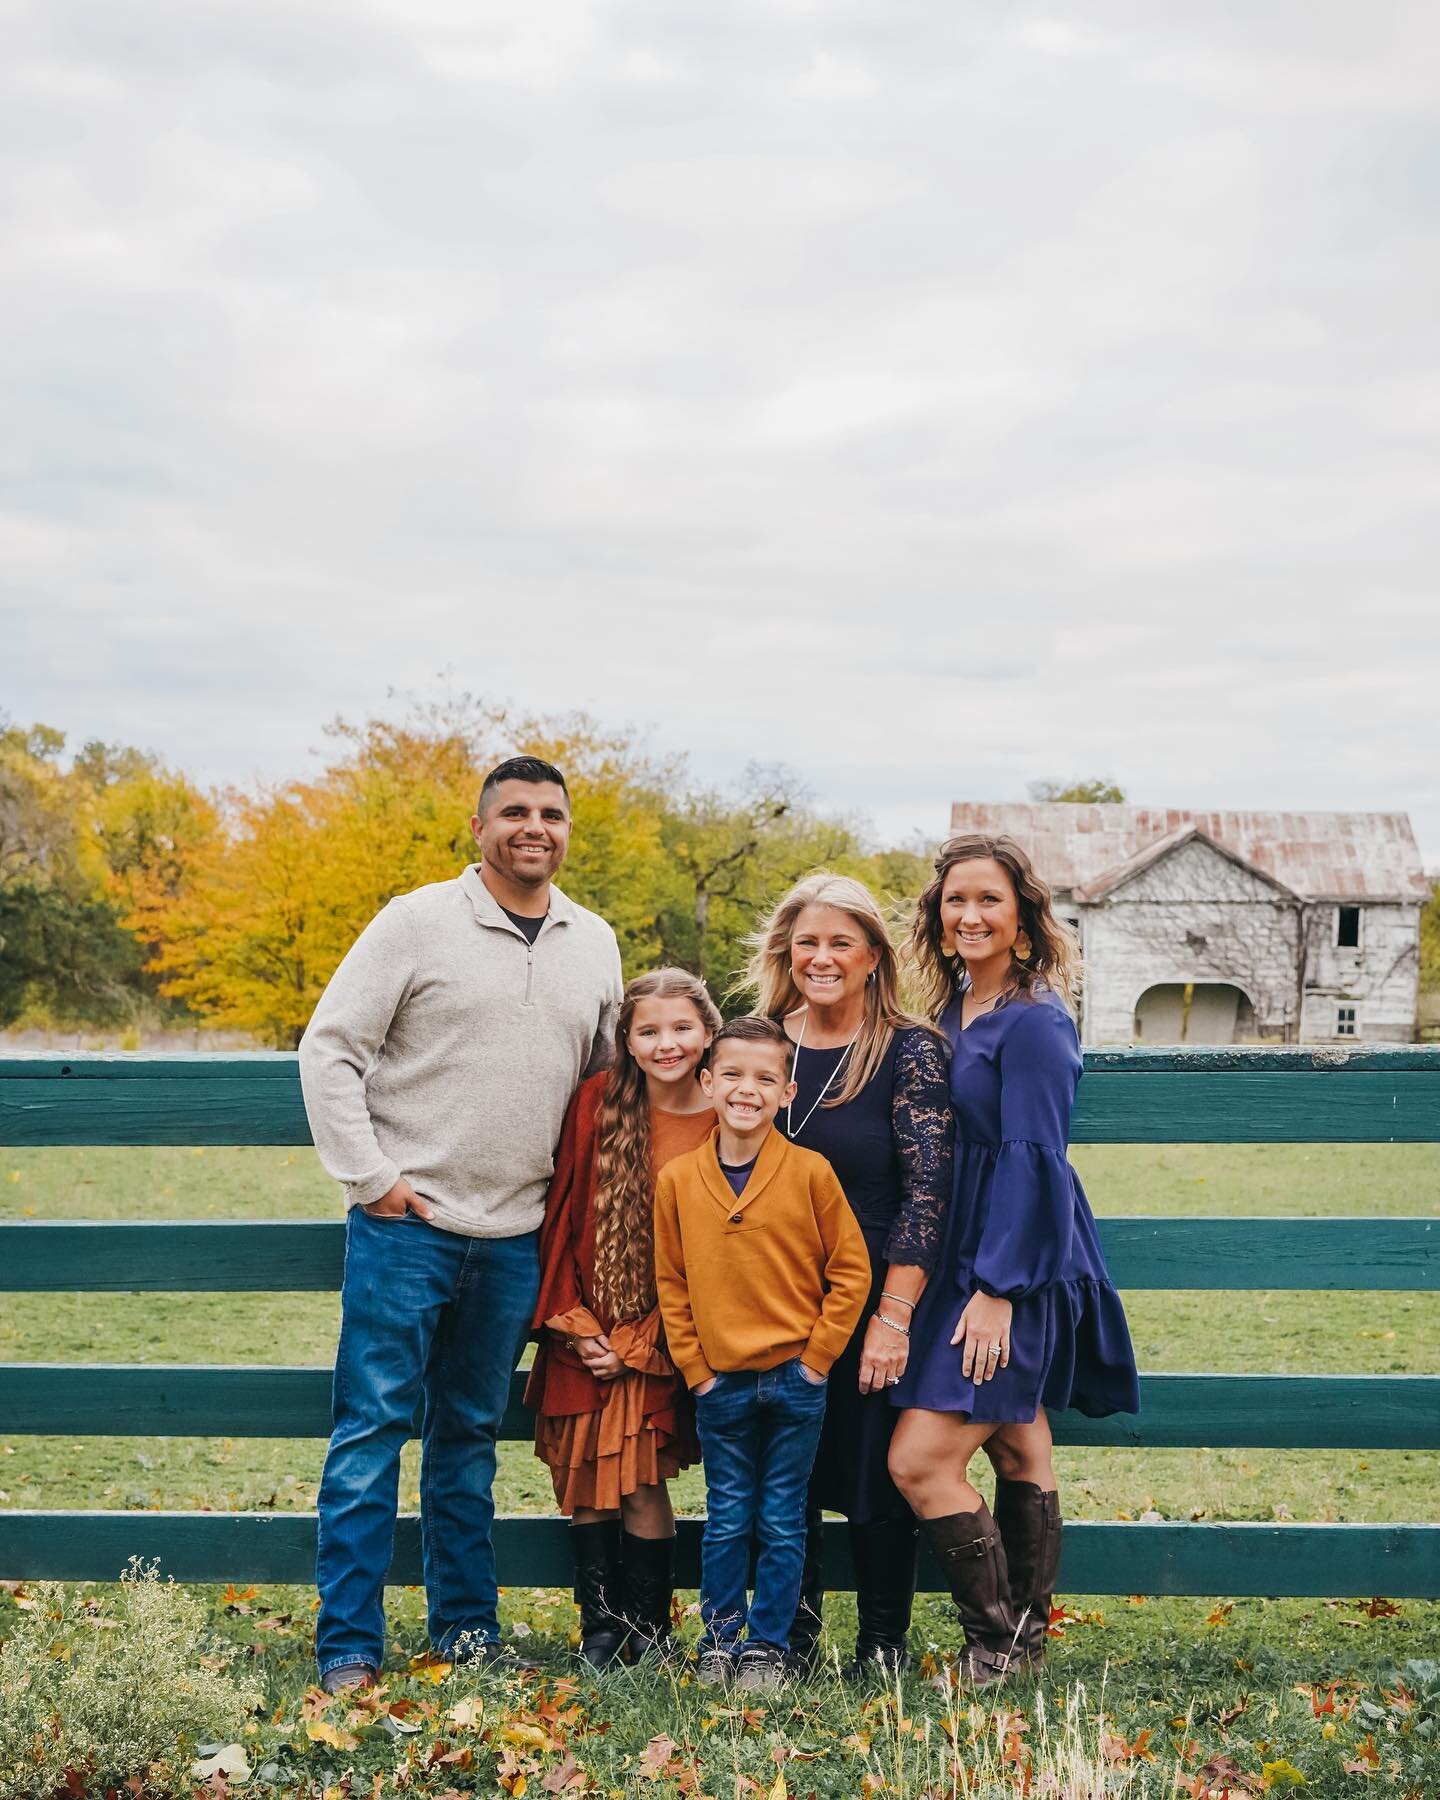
x=1020 y=1226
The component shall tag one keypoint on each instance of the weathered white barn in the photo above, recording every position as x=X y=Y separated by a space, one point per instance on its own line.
x=1230 y=927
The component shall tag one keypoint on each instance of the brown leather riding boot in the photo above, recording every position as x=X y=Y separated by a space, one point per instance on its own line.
x=1029 y=1520
x=968 y=1548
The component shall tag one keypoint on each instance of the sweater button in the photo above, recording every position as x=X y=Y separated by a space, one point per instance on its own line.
x=735 y=1218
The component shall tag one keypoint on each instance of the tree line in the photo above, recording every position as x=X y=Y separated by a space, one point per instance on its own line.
x=130 y=894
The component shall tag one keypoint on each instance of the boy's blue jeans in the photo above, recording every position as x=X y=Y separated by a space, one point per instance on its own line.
x=424 y=1313
x=759 y=1431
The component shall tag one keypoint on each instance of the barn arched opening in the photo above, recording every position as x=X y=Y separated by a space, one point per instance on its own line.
x=1195 y=1012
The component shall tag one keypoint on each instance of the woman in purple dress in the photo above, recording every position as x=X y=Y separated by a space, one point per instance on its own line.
x=1021 y=1316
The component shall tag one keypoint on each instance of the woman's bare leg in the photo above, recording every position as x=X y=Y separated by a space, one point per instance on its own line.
x=1024 y=1452
x=930 y=1459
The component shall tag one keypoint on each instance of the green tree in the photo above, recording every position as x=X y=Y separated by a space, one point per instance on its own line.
x=1096 y=790
x=65 y=959
x=65 y=955
x=732 y=856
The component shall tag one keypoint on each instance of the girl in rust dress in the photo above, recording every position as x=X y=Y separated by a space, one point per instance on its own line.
x=614 y=1421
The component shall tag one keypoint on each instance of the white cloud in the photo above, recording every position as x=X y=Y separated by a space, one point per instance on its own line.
x=931 y=397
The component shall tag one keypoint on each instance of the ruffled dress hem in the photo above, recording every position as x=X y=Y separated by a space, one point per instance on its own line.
x=586 y=1474
x=632 y=1434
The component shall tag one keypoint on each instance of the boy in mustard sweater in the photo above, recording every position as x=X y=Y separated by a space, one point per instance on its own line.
x=762 y=1274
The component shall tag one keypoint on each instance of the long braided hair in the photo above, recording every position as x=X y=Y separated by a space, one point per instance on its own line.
x=624 y=1180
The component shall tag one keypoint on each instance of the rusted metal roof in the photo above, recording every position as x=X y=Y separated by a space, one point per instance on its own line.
x=1318 y=855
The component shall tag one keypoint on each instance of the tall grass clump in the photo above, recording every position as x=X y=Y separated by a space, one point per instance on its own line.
x=95 y=1693
x=975 y=1751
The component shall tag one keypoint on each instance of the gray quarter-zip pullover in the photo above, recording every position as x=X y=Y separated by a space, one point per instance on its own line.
x=446 y=1049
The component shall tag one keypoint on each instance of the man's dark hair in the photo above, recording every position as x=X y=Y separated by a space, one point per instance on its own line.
x=520 y=768
x=752 y=1028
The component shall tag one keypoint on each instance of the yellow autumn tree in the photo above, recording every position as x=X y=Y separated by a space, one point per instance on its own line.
x=267 y=904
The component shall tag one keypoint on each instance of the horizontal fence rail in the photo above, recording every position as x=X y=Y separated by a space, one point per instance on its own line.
x=1209 y=1096
x=1128 y=1096
x=246 y=1400
x=262 y=1256
x=1099 y=1557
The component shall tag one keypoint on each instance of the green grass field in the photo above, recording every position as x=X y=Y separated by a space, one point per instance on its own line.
x=1156 y=1662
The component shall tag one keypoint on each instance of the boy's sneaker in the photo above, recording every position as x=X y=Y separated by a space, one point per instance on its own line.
x=758 y=1668
x=348 y=1677
x=714 y=1666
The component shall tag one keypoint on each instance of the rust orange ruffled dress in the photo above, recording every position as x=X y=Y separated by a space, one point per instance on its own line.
x=602 y=1439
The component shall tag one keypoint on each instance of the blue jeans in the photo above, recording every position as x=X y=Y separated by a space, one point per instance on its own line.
x=424 y=1313
x=759 y=1431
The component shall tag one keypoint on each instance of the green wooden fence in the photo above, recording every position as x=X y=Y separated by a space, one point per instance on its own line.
x=1128 y=1096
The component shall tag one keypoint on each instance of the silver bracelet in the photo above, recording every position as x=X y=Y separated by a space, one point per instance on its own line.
x=885 y=1294
x=904 y=1330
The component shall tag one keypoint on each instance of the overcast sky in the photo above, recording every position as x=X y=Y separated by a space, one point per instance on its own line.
x=930 y=396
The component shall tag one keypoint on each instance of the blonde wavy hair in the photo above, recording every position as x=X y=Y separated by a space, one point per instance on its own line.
x=1054 y=959
x=768 y=979
x=624 y=1180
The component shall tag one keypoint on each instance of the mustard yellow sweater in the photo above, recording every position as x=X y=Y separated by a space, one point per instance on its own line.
x=748 y=1283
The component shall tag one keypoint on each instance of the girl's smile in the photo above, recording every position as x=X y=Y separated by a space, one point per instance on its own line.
x=668 y=1040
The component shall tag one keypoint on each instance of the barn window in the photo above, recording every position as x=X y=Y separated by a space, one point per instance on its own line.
x=1345 y=1021
x=1347 y=927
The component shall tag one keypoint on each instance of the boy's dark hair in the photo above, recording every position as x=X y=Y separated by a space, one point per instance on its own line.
x=520 y=768
x=753 y=1028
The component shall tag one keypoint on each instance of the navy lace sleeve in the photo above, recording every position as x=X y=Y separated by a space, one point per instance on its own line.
x=923 y=1124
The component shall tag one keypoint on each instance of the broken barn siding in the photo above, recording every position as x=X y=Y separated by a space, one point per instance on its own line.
x=1380 y=977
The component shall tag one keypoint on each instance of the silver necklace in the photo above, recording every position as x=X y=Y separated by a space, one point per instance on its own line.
x=791 y=1130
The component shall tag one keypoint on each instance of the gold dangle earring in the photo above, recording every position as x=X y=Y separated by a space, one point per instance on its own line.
x=1022 y=947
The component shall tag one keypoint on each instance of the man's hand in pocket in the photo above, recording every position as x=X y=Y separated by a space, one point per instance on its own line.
x=401 y=1199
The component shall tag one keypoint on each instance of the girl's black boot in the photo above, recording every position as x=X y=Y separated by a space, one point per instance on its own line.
x=648 y=1587
x=598 y=1578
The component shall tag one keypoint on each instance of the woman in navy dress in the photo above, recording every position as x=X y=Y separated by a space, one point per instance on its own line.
x=873 y=1097
x=1021 y=1316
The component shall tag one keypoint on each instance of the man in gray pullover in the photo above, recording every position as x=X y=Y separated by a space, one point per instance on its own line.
x=436 y=1072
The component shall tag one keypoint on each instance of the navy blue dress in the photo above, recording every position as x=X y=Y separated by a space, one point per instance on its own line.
x=891 y=1149
x=1019 y=1226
